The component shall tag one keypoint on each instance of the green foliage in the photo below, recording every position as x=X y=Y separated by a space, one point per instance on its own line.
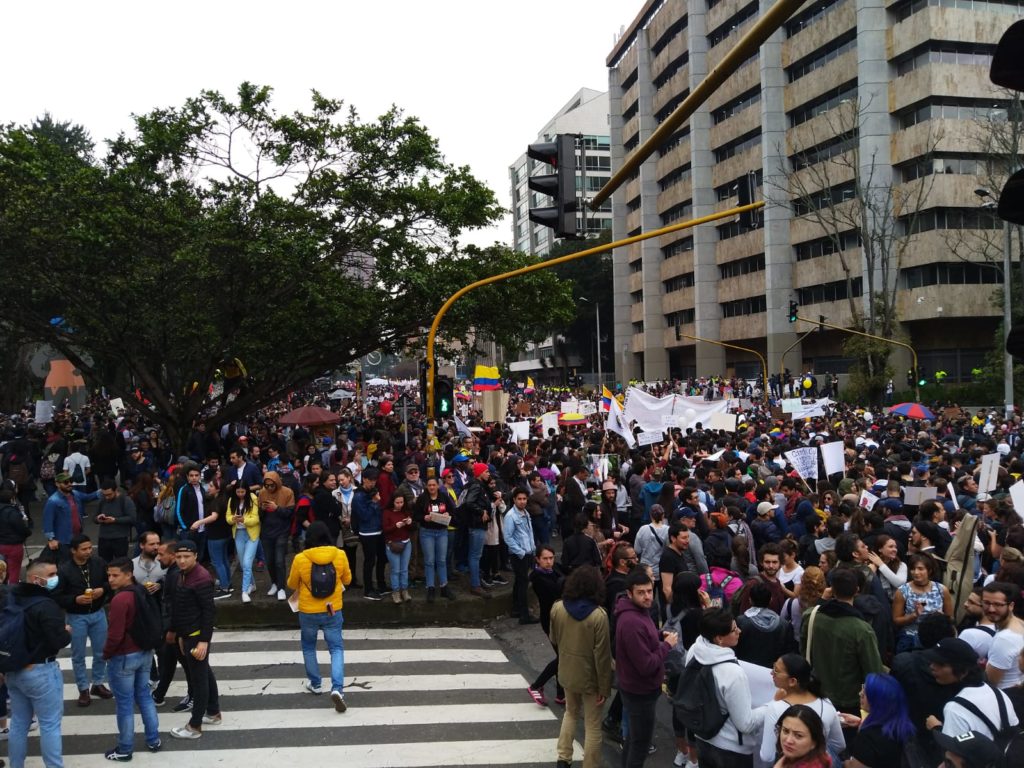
x=223 y=229
x=870 y=370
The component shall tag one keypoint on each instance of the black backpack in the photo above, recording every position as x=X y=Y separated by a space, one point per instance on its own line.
x=77 y=475
x=322 y=580
x=147 y=630
x=1009 y=739
x=15 y=653
x=696 y=699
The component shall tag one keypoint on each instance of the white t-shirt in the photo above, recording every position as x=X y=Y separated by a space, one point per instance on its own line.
x=793 y=576
x=979 y=639
x=956 y=719
x=1005 y=655
x=77 y=459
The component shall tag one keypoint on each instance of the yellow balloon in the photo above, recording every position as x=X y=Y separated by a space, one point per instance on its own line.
x=807 y=383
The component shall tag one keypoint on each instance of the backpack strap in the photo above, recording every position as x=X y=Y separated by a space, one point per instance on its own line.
x=990 y=631
x=810 y=632
x=974 y=710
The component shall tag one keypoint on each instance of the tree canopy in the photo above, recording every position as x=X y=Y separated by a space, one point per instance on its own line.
x=223 y=230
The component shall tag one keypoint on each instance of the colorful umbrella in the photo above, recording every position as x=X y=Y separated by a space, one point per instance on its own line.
x=463 y=396
x=571 y=419
x=309 y=416
x=912 y=411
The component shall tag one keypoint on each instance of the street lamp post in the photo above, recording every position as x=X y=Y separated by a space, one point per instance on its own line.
x=597 y=310
x=990 y=204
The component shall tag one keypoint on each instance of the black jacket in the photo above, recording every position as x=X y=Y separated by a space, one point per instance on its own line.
x=475 y=504
x=44 y=622
x=13 y=527
x=72 y=584
x=192 y=611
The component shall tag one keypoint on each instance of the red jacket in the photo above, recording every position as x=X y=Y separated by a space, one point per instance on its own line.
x=119 y=621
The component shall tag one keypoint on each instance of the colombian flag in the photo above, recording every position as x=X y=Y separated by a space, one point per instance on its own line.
x=529 y=387
x=486 y=378
x=606 y=398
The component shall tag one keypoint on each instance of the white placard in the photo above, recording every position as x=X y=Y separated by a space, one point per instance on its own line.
x=714 y=456
x=520 y=430
x=44 y=411
x=989 y=475
x=867 y=500
x=1017 y=496
x=833 y=458
x=669 y=422
x=569 y=406
x=649 y=438
x=587 y=408
x=804 y=461
x=915 y=497
x=791 y=404
x=726 y=421
x=811 y=411
x=548 y=422
x=116 y=406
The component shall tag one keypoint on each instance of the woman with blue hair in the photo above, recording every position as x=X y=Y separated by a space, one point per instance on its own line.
x=884 y=728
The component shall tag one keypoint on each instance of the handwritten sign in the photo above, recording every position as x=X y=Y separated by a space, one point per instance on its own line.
x=649 y=438
x=804 y=461
x=867 y=500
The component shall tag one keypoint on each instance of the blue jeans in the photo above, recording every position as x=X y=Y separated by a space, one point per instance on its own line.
x=309 y=625
x=434 y=544
x=129 y=679
x=245 y=550
x=91 y=626
x=37 y=689
x=219 y=556
x=399 y=562
x=477 y=536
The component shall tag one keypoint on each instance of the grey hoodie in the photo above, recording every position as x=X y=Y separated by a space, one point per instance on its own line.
x=733 y=691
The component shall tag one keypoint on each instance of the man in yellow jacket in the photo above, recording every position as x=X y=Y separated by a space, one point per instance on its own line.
x=318 y=576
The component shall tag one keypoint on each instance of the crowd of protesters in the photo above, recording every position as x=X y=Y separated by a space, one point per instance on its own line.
x=872 y=622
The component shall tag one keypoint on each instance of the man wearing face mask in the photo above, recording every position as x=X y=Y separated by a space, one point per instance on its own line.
x=37 y=689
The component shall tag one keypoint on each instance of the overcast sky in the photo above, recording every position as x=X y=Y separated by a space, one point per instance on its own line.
x=483 y=76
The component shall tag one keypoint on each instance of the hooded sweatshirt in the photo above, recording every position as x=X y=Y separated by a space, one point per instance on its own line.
x=764 y=637
x=302 y=567
x=579 y=630
x=278 y=522
x=733 y=693
x=640 y=661
x=843 y=651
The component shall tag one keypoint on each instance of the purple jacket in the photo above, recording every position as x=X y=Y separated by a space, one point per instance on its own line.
x=639 y=650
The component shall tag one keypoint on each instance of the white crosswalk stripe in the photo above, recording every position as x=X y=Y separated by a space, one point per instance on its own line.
x=417 y=697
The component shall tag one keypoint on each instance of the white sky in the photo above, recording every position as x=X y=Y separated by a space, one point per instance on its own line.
x=465 y=68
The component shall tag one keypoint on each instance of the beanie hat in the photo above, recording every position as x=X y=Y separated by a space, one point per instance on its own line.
x=479 y=468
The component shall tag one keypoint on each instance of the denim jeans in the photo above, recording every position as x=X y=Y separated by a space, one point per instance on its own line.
x=434 y=544
x=309 y=625
x=638 y=712
x=219 y=556
x=37 y=689
x=91 y=627
x=129 y=679
x=245 y=550
x=477 y=536
x=399 y=562
x=275 y=548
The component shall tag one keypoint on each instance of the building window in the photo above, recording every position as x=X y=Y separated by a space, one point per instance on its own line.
x=598 y=142
x=749 y=306
x=674 y=140
x=950 y=273
x=825 y=246
x=943 y=163
x=826 y=198
x=677 y=213
x=948 y=108
x=730 y=230
x=669 y=72
x=741 y=102
x=598 y=163
x=662 y=42
x=729 y=190
x=837 y=291
x=638 y=327
x=682 y=317
x=948 y=218
x=679 y=246
x=810 y=16
x=730 y=25
x=936 y=52
x=830 y=52
x=636 y=297
x=676 y=176
x=670 y=107
x=636 y=266
x=678 y=283
x=739 y=267
x=736 y=146
x=909 y=8
x=822 y=104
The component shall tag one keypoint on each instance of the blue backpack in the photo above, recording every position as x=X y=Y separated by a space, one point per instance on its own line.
x=15 y=654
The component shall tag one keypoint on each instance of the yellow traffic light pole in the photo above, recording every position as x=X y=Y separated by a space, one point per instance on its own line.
x=432 y=335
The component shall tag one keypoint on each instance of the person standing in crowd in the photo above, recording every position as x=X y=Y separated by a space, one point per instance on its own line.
x=367 y=522
x=916 y=598
x=882 y=735
x=14 y=531
x=398 y=529
x=519 y=537
x=547 y=582
x=431 y=509
x=82 y=592
x=639 y=664
x=476 y=509
x=168 y=656
x=999 y=600
x=579 y=630
x=801 y=739
x=192 y=616
x=320 y=574
x=795 y=684
x=36 y=689
x=193 y=511
x=146 y=568
x=116 y=519
x=242 y=512
x=276 y=508
x=128 y=664
x=63 y=514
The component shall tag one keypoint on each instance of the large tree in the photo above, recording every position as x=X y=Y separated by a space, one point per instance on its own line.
x=223 y=230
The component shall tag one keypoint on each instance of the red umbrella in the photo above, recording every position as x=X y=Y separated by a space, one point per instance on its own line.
x=309 y=416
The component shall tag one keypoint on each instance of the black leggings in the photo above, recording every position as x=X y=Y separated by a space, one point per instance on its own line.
x=374 y=559
x=551 y=670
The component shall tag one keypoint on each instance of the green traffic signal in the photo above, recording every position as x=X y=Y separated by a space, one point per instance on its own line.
x=793 y=308
x=444 y=406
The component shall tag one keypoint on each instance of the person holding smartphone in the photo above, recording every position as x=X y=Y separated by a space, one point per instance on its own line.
x=243 y=514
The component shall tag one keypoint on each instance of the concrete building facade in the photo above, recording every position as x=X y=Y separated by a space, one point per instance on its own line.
x=866 y=106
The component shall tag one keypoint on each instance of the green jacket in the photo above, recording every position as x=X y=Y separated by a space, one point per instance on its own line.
x=844 y=651
x=579 y=630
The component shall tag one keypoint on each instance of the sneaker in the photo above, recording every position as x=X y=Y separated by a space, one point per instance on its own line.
x=406 y=597
x=314 y=689
x=185 y=705
x=692 y=764
x=448 y=592
x=281 y=595
x=371 y=595
x=486 y=582
x=652 y=749
x=339 y=701
x=499 y=579
x=560 y=701
x=246 y=598
x=431 y=594
x=213 y=719
x=272 y=591
x=156 y=746
x=396 y=598
x=186 y=732
x=220 y=594
x=159 y=702
x=383 y=591
x=121 y=757
x=538 y=696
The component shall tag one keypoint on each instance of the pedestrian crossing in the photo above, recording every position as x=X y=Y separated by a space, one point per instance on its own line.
x=417 y=698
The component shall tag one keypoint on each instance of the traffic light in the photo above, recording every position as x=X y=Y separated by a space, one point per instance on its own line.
x=745 y=195
x=922 y=378
x=560 y=186
x=1008 y=72
x=793 y=308
x=444 y=397
x=910 y=378
x=422 y=366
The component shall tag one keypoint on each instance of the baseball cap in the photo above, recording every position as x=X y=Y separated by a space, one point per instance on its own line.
x=765 y=508
x=951 y=650
x=186 y=545
x=978 y=749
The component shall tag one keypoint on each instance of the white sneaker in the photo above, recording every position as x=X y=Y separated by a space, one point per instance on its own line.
x=679 y=760
x=246 y=598
x=314 y=689
x=272 y=590
x=691 y=765
x=185 y=732
x=281 y=595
